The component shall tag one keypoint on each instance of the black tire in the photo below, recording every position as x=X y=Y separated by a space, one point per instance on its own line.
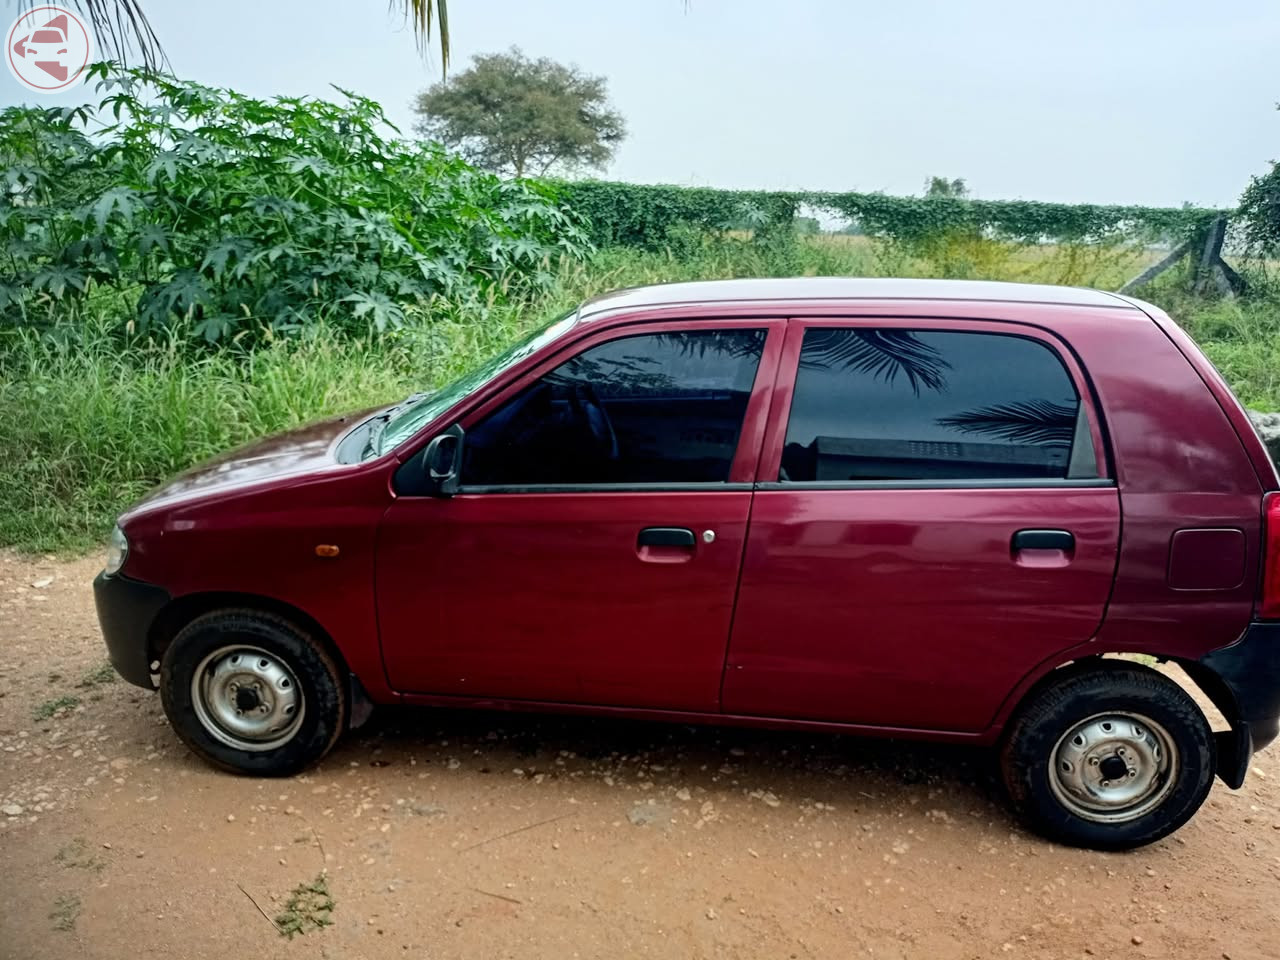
x=319 y=699
x=1087 y=696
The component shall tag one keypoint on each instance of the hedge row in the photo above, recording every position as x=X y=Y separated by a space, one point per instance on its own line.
x=640 y=215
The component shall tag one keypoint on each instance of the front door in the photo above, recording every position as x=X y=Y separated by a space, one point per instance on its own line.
x=592 y=552
x=934 y=519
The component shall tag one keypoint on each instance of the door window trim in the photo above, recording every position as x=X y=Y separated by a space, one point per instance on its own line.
x=985 y=483
x=788 y=369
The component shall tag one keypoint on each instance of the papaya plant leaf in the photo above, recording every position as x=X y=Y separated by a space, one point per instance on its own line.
x=124 y=201
x=57 y=277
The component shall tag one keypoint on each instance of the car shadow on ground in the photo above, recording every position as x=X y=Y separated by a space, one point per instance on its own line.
x=867 y=773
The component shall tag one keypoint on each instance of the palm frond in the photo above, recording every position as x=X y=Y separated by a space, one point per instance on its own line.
x=737 y=344
x=1040 y=422
x=423 y=15
x=882 y=353
x=120 y=27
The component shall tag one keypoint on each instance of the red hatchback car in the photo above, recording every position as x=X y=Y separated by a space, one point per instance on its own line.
x=908 y=508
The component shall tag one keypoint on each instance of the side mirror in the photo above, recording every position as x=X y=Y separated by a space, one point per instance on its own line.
x=434 y=472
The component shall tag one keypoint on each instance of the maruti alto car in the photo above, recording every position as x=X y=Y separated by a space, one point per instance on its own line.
x=910 y=508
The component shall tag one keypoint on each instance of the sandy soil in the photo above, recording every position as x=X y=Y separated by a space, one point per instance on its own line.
x=470 y=835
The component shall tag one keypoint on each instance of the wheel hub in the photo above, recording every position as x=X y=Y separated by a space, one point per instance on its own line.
x=247 y=698
x=1113 y=767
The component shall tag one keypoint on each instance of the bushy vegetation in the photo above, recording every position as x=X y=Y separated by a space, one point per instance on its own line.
x=218 y=216
x=640 y=215
x=1260 y=211
x=111 y=379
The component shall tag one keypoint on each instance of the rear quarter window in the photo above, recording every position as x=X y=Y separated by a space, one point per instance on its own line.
x=918 y=405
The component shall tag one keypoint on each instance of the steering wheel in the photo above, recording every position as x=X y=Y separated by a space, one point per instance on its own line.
x=597 y=420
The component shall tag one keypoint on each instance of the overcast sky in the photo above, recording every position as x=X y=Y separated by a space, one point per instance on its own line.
x=1122 y=101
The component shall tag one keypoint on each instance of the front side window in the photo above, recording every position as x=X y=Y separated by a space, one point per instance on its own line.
x=425 y=408
x=655 y=408
x=919 y=405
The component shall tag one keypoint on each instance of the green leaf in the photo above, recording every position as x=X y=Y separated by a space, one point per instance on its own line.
x=165 y=163
x=314 y=165
x=150 y=237
x=378 y=307
x=57 y=277
x=221 y=253
x=124 y=201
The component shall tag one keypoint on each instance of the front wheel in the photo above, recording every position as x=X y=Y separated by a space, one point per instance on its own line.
x=1111 y=758
x=252 y=693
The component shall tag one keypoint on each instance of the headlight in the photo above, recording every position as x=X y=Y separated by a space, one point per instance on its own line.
x=117 y=550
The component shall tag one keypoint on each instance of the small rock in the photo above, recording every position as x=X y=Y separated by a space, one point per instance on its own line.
x=771 y=800
x=42 y=582
x=711 y=914
x=644 y=814
x=11 y=810
x=684 y=794
x=231 y=818
x=1136 y=940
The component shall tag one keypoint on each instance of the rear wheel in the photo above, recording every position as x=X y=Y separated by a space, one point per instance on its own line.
x=1113 y=757
x=251 y=692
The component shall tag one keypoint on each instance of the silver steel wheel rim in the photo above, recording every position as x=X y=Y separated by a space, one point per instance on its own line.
x=247 y=698
x=1113 y=767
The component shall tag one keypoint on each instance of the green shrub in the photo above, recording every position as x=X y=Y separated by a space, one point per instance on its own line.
x=644 y=216
x=207 y=212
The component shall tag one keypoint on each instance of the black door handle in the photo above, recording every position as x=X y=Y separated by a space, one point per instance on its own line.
x=665 y=537
x=1044 y=540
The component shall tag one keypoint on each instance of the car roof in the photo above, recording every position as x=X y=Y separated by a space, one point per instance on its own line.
x=763 y=290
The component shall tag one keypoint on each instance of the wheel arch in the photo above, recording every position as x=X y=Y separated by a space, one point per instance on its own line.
x=181 y=610
x=1234 y=747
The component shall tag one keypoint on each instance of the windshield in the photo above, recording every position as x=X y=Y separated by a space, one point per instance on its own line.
x=405 y=423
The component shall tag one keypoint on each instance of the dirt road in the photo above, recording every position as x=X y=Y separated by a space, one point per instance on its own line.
x=487 y=836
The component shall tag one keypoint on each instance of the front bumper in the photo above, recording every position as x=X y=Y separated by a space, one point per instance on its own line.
x=126 y=610
x=1243 y=680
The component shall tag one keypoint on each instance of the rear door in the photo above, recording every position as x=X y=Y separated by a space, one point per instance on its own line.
x=592 y=552
x=934 y=518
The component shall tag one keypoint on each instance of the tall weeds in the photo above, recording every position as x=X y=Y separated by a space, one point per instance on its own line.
x=88 y=423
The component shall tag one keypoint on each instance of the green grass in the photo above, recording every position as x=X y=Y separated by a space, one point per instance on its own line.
x=65 y=912
x=104 y=673
x=76 y=855
x=49 y=708
x=309 y=907
x=90 y=424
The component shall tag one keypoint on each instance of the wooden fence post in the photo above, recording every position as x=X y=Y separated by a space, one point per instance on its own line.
x=1211 y=269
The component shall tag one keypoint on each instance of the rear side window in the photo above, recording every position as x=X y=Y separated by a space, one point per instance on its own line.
x=920 y=405
x=657 y=408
